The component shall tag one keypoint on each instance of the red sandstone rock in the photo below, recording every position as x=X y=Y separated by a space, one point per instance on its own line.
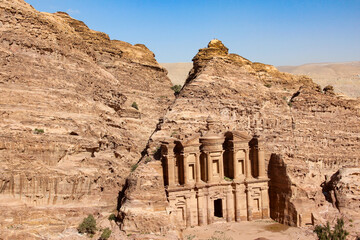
x=68 y=133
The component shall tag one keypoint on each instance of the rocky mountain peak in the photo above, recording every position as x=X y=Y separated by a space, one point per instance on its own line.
x=217 y=53
x=215 y=43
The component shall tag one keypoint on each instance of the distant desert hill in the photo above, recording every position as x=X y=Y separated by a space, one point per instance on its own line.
x=178 y=72
x=345 y=77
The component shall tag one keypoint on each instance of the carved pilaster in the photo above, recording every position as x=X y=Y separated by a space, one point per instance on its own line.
x=186 y=169
x=171 y=170
x=188 y=211
x=198 y=168
x=261 y=163
x=221 y=167
x=229 y=205
x=237 y=205
x=249 y=203
x=265 y=202
x=210 y=168
x=235 y=165
x=247 y=164
x=209 y=210
x=201 y=215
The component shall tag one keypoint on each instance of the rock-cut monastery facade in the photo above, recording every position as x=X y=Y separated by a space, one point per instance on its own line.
x=216 y=177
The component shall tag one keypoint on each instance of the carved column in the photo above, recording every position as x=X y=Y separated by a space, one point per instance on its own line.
x=198 y=168
x=248 y=203
x=237 y=205
x=186 y=168
x=209 y=209
x=265 y=202
x=171 y=170
x=210 y=168
x=235 y=165
x=229 y=205
x=261 y=161
x=221 y=166
x=247 y=164
x=200 y=201
x=188 y=211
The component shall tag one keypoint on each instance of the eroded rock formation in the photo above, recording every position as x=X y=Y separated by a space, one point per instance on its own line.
x=68 y=132
x=78 y=111
x=308 y=135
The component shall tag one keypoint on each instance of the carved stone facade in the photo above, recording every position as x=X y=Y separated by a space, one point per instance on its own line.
x=215 y=177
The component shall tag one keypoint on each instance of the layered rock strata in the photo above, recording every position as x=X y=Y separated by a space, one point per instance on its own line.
x=308 y=134
x=77 y=109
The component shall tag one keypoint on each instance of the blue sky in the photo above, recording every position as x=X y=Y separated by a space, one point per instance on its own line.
x=282 y=32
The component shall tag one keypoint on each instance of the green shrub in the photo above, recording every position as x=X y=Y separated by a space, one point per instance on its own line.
x=176 y=88
x=105 y=234
x=325 y=233
x=190 y=237
x=148 y=159
x=227 y=179
x=88 y=225
x=38 y=131
x=133 y=167
x=134 y=105
x=290 y=104
x=112 y=217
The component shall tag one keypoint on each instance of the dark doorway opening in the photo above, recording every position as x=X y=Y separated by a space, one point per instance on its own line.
x=218 y=208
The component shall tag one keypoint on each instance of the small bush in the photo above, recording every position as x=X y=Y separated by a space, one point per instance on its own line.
x=112 y=217
x=190 y=237
x=176 y=88
x=105 y=234
x=227 y=179
x=289 y=104
x=88 y=225
x=133 y=167
x=148 y=159
x=38 y=131
x=325 y=233
x=134 y=105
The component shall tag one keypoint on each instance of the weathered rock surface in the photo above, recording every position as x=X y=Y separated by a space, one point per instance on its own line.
x=307 y=134
x=343 y=190
x=68 y=132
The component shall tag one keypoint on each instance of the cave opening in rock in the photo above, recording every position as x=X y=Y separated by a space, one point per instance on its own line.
x=218 y=208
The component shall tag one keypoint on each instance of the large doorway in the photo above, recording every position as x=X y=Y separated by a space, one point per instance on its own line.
x=218 y=208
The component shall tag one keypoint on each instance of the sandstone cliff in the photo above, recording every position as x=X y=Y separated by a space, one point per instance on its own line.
x=69 y=131
x=308 y=133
